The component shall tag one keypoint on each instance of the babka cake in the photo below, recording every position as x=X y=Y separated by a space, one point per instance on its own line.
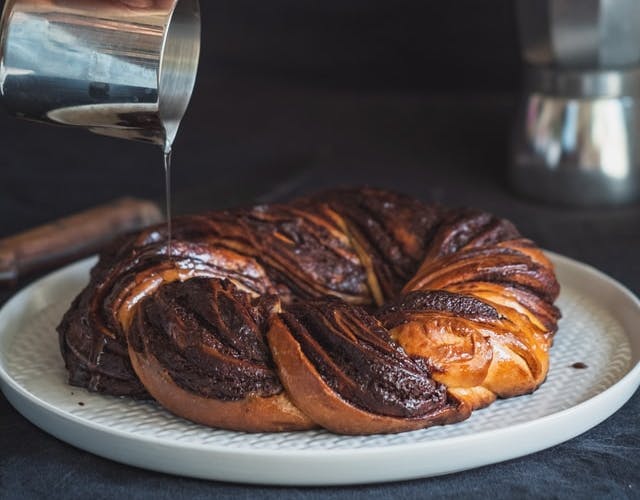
x=360 y=311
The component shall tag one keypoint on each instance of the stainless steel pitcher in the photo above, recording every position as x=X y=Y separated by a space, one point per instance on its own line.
x=123 y=68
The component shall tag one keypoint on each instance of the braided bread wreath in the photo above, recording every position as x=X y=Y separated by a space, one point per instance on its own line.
x=360 y=311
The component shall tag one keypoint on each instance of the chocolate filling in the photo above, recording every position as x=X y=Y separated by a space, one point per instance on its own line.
x=356 y=358
x=204 y=332
x=401 y=310
x=393 y=230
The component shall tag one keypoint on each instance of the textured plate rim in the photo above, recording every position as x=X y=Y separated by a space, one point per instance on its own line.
x=606 y=402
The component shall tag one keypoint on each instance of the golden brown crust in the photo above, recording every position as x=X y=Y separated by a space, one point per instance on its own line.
x=459 y=351
x=251 y=414
x=502 y=357
x=309 y=392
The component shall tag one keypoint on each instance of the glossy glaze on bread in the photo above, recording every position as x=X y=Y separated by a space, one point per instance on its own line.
x=360 y=311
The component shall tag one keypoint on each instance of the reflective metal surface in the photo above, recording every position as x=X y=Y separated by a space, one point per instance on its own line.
x=124 y=68
x=584 y=83
x=576 y=134
x=578 y=151
x=580 y=34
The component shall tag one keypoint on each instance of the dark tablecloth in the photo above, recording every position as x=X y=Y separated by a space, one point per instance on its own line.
x=244 y=139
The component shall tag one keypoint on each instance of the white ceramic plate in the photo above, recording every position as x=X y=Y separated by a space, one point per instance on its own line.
x=599 y=328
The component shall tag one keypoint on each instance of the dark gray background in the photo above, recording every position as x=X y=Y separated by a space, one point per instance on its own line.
x=294 y=96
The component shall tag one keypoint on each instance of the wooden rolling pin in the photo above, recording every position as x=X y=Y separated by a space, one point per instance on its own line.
x=71 y=237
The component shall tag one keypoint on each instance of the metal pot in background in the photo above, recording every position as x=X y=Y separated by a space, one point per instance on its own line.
x=577 y=133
